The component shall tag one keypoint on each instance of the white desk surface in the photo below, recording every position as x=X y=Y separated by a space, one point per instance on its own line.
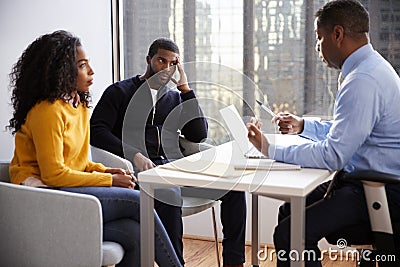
x=282 y=182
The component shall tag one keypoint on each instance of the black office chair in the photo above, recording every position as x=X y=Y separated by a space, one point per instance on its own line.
x=384 y=236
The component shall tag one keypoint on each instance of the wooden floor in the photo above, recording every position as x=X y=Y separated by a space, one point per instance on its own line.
x=201 y=253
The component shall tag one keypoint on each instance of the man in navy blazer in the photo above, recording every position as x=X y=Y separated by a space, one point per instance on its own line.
x=140 y=119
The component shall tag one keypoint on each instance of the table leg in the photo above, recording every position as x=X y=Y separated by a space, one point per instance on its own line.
x=255 y=243
x=297 y=228
x=146 y=225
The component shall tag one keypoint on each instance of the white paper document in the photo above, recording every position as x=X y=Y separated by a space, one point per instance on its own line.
x=203 y=167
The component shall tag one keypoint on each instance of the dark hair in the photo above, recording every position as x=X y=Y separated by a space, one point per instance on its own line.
x=162 y=43
x=46 y=70
x=350 y=14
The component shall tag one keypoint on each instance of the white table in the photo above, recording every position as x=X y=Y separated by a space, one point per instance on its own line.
x=288 y=185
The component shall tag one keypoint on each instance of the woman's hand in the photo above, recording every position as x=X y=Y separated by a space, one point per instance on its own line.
x=289 y=123
x=256 y=137
x=124 y=180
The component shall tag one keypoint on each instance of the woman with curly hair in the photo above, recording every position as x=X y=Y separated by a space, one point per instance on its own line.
x=50 y=96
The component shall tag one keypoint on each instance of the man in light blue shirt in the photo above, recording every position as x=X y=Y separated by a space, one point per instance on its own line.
x=363 y=135
x=365 y=131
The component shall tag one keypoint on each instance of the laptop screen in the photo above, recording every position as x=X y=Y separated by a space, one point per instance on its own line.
x=238 y=130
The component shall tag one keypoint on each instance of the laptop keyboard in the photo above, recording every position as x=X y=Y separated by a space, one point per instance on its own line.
x=254 y=153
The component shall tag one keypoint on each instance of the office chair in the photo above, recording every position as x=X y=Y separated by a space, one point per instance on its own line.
x=190 y=205
x=384 y=236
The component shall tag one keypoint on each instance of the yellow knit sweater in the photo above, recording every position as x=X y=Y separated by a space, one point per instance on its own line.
x=53 y=145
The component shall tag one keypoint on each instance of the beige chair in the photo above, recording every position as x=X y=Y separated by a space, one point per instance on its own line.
x=45 y=227
x=191 y=205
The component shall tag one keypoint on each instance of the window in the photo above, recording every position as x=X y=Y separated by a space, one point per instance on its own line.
x=275 y=37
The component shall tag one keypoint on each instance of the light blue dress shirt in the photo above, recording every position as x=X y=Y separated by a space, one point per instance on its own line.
x=365 y=131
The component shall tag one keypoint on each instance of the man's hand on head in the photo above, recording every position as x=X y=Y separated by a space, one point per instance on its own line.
x=182 y=83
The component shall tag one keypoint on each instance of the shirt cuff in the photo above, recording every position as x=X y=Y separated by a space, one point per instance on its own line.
x=188 y=95
x=275 y=152
x=308 y=129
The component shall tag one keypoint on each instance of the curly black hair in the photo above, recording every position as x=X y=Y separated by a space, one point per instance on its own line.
x=46 y=70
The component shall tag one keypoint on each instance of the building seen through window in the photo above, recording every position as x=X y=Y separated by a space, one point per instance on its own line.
x=236 y=51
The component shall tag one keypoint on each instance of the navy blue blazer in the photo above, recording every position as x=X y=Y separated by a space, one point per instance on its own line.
x=124 y=122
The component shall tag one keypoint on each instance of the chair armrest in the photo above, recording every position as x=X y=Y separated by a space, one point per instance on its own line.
x=376 y=199
x=373 y=176
x=378 y=211
x=189 y=147
x=109 y=159
x=46 y=227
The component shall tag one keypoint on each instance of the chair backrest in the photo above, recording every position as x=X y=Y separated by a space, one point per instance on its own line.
x=4 y=174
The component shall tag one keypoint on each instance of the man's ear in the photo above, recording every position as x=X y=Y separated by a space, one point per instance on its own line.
x=148 y=59
x=338 y=34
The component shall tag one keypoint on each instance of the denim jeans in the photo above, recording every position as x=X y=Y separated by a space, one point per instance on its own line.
x=121 y=208
x=168 y=205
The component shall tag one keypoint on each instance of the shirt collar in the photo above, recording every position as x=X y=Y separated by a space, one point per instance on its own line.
x=355 y=58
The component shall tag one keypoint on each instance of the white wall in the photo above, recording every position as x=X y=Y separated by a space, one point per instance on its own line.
x=23 y=21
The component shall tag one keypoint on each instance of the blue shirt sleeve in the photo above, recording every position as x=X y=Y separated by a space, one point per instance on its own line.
x=315 y=130
x=356 y=111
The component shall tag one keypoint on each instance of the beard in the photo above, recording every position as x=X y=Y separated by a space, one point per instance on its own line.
x=152 y=72
x=155 y=79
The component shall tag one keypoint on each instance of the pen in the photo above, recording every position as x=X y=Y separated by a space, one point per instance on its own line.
x=264 y=107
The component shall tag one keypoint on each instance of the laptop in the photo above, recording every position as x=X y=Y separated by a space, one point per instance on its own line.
x=238 y=130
